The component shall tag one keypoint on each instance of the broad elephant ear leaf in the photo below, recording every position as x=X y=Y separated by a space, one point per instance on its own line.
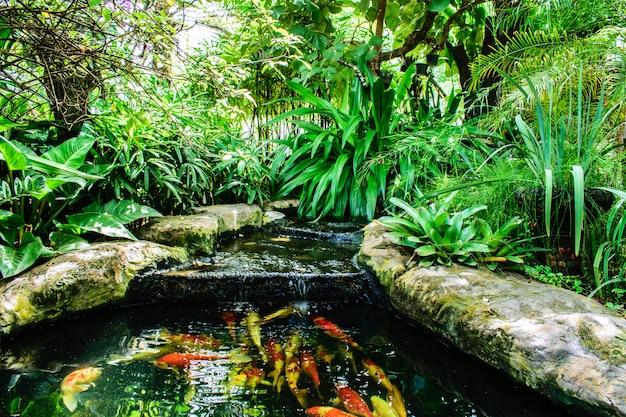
x=14 y=158
x=16 y=260
x=66 y=242
x=10 y=224
x=101 y=223
x=124 y=211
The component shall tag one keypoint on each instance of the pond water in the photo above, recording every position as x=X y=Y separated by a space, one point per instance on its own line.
x=126 y=344
x=195 y=344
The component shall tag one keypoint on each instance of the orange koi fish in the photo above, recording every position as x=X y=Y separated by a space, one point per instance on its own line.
x=293 y=376
x=353 y=402
x=394 y=396
x=282 y=313
x=322 y=354
x=382 y=407
x=333 y=330
x=308 y=365
x=231 y=321
x=183 y=360
x=277 y=359
x=323 y=411
x=77 y=382
x=250 y=377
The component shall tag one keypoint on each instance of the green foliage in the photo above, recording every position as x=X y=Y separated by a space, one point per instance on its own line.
x=38 y=191
x=332 y=163
x=543 y=273
x=609 y=261
x=440 y=236
x=151 y=158
x=244 y=172
x=569 y=145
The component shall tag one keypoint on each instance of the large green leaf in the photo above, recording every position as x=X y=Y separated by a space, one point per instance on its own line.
x=14 y=158
x=16 y=260
x=72 y=152
x=103 y=224
x=67 y=242
x=124 y=211
x=10 y=224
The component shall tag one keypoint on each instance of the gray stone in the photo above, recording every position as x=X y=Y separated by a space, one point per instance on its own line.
x=233 y=217
x=386 y=260
x=564 y=345
x=197 y=233
x=78 y=281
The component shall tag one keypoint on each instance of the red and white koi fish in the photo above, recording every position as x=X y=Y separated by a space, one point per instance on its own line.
x=183 y=360
x=322 y=354
x=324 y=411
x=293 y=376
x=253 y=323
x=382 y=407
x=77 y=382
x=333 y=330
x=282 y=313
x=277 y=359
x=353 y=402
x=250 y=377
x=308 y=365
x=231 y=321
x=394 y=396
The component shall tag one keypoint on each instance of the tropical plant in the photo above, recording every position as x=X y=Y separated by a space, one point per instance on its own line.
x=332 y=163
x=440 y=236
x=609 y=262
x=35 y=190
x=569 y=145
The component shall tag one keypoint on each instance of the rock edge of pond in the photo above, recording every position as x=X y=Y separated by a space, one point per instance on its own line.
x=563 y=345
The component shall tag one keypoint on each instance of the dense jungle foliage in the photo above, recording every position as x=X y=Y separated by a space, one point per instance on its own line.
x=480 y=132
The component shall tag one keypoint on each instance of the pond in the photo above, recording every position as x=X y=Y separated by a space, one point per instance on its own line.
x=125 y=345
x=204 y=339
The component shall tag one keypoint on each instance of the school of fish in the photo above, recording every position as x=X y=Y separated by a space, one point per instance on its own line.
x=286 y=362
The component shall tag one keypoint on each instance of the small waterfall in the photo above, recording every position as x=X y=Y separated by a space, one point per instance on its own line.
x=274 y=265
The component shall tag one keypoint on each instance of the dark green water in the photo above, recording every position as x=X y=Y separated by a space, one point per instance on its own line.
x=434 y=379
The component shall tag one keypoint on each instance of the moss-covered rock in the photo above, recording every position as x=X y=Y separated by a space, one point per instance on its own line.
x=564 y=345
x=78 y=281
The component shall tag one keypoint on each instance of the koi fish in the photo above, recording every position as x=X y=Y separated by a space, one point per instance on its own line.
x=277 y=358
x=292 y=346
x=382 y=407
x=333 y=330
x=308 y=365
x=346 y=352
x=282 y=313
x=324 y=411
x=353 y=402
x=183 y=360
x=293 y=376
x=231 y=321
x=322 y=354
x=77 y=382
x=394 y=396
x=250 y=377
x=191 y=340
x=253 y=322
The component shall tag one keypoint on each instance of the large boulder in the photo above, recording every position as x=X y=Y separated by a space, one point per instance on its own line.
x=199 y=232
x=78 y=281
x=564 y=345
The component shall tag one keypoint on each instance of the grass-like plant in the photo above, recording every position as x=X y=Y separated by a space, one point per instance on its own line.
x=332 y=165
